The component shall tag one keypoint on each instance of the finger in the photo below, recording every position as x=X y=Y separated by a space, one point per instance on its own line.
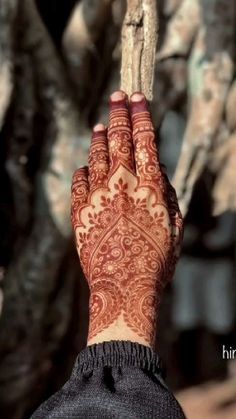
x=176 y=223
x=79 y=194
x=175 y=215
x=120 y=142
x=163 y=168
x=145 y=149
x=98 y=158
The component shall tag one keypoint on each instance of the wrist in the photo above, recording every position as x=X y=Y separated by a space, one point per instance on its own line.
x=121 y=310
x=118 y=331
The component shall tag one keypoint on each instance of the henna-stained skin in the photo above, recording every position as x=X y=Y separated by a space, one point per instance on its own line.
x=127 y=222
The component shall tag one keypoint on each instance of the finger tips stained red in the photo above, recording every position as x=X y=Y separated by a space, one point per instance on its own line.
x=80 y=172
x=99 y=128
x=118 y=99
x=138 y=103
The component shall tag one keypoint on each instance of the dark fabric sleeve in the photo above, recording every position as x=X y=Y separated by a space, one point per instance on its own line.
x=115 y=379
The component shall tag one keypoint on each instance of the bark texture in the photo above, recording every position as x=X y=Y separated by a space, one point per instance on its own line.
x=139 y=40
x=8 y=13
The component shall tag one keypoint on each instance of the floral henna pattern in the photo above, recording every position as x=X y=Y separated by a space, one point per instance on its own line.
x=98 y=161
x=127 y=223
x=105 y=301
x=140 y=306
x=120 y=139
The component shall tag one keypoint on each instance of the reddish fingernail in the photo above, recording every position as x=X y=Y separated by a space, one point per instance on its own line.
x=118 y=99
x=98 y=131
x=138 y=103
x=99 y=127
x=137 y=97
x=118 y=95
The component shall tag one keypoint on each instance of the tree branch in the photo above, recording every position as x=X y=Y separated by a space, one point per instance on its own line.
x=139 y=40
x=210 y=74
x=87 y=25
x=7 y=18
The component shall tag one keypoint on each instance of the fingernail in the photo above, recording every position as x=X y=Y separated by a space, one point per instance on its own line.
x=118 y=95
x=137 y=97
x=138 y=103
x=99 y=127
x=118 y=100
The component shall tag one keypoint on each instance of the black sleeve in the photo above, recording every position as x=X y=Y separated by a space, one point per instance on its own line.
x=115 y=379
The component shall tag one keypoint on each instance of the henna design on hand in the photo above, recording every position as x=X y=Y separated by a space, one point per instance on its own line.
x=127 y=222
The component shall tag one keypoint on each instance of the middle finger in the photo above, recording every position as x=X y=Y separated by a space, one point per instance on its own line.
x=120 y=144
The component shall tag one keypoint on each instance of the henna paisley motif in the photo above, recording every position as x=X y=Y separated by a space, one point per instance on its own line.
x=127 y=222
x=103 y=305
x=140 y=307
x=79 y=193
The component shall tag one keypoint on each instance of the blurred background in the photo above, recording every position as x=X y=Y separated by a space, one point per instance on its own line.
x=59 y=62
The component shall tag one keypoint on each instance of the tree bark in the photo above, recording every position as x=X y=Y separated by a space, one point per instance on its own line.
x=8 y=13
x=139 y=41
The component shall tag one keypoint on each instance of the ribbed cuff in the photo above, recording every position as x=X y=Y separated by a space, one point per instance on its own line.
x=119 y=353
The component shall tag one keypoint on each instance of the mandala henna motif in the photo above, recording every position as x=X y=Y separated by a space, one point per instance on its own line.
x=127 y=223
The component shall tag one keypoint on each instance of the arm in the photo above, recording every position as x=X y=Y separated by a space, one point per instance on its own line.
x=127 y=224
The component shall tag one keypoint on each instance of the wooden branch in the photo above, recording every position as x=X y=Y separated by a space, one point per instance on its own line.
x=139 y=40
x=7 y=20
x=21 y=138
x=170 y=6
x=65 y=131
x=210 y=74
x=219 y=151
x=231 y=107
x=170 y=86
x=223 y=160
x=181 y=30
x=86 y=28
x=224 y=194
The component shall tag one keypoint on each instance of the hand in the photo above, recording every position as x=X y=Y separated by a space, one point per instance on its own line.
x=127 y=224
